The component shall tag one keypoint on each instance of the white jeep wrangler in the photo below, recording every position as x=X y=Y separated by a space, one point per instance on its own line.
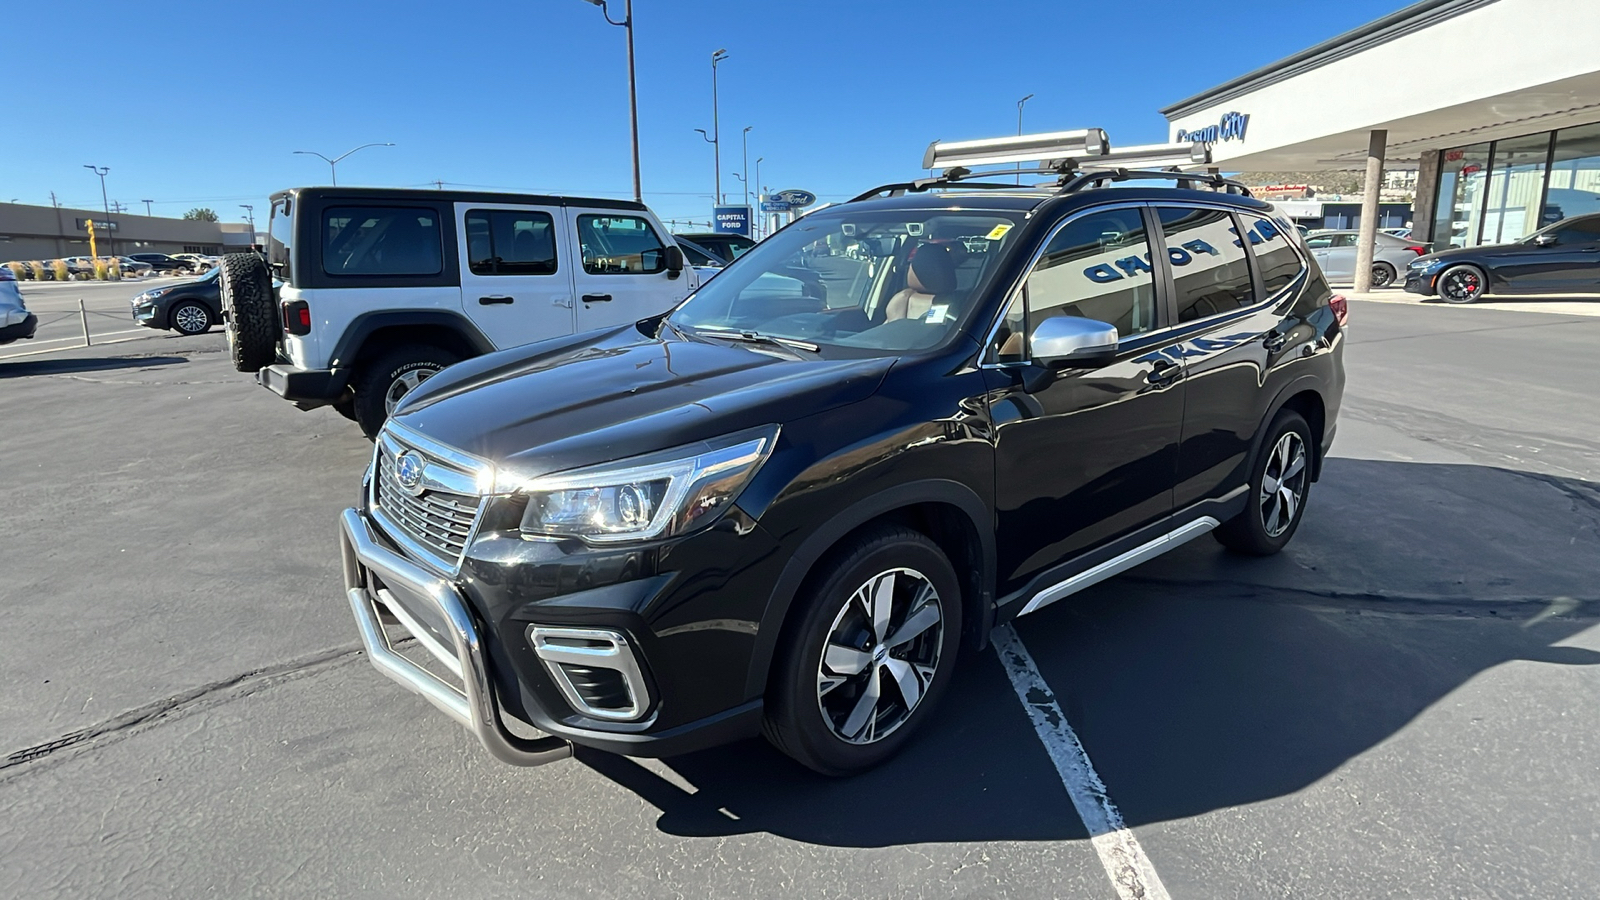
x=380 y=288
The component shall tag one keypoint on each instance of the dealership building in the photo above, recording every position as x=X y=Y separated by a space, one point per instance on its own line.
x=52 y=232
x=1494 y=103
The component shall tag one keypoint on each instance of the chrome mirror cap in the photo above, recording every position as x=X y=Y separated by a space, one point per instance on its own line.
x=1061 y=341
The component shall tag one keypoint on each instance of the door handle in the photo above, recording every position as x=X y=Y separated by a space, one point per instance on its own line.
x=498 y=298
x=1274 y=341
x=596 y=298
x=565 y=302
x=1163 y=371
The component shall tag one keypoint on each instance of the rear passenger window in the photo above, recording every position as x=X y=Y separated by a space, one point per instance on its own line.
x=1210 y=268
x=1279 y=262
x=369 y=240
x=619 y=245
x=510 y=242
x=1097 y=266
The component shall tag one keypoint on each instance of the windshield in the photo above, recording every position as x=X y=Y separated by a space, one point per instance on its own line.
x=863 y=284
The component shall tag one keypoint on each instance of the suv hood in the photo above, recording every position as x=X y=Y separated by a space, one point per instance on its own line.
x=602 y=396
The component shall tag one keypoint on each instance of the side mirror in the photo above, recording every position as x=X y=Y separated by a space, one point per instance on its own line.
x=1065 y=342
x=1544 y=240
x=674 y=255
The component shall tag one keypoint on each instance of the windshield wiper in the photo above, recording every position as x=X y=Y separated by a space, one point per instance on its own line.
x=755 y=337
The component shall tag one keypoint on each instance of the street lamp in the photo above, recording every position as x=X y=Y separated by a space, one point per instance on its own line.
x=744 y=139
x=1019 y=130
x=333 y=173
x=633 y=94
x=250 y=211
x=106 y=204
x=759 y=191
x=716 y=131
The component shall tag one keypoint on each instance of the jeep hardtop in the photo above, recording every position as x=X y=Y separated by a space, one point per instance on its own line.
x=363 y=293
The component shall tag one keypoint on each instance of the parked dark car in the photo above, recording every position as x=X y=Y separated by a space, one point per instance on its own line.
x=131 y=266
x=1563 y=258
x=699 y=256
x=161 y=262
x=786 y=505
x=726 y=246
x=191 y=307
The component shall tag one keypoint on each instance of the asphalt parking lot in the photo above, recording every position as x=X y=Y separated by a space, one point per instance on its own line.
x=106 y=310
x=1404 y=703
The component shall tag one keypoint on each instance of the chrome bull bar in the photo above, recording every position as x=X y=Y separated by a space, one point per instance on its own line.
x=472 y=705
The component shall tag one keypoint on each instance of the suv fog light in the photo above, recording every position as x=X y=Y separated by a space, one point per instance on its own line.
x=595 y=670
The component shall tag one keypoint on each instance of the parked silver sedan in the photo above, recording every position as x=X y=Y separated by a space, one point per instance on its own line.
x=1336 y=254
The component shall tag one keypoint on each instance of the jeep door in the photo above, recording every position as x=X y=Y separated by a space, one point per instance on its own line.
x=1090 y=454
x=516 y=284
x=1238 y=331
x=622 y=273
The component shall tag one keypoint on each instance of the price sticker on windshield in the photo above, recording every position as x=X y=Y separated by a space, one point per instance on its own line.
x=998 y=232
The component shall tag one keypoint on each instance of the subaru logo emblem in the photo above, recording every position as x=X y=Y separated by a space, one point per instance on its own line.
x=408 y=468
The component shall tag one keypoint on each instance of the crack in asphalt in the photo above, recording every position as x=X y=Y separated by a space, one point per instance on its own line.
x=171 y=708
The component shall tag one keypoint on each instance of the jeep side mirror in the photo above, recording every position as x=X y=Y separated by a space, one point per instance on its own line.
x=1067 y=342
x=674 y=258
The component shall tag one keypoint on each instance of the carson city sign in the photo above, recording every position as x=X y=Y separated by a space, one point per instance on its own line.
x=1230 y=128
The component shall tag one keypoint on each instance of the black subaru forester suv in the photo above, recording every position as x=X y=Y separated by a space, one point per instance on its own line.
x=784 y=506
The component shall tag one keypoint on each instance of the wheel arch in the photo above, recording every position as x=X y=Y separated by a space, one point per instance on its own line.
x=951 y=514
x=1304 y=396
x=372 y=333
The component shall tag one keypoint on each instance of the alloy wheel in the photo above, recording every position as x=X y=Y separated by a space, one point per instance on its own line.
x=1382 y=276
x=191 y=319
x=402 y=386
x=1283 y=485
x=1461 y=285
x=881 y=656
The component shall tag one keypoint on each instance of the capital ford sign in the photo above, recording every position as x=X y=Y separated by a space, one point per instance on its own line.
x=1231 y=128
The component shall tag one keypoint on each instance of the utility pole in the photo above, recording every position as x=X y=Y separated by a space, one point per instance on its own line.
x=119 y=208
x=633 y=92
x=146 y=206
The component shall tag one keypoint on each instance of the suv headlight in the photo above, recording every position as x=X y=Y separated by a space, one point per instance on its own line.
x=660 y=495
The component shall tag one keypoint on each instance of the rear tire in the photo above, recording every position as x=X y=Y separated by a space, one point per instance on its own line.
x=384 y=383
x=883 y=611
x=249 y=310
x=1280 y=483
x=1383 y=275
x=1461 y=284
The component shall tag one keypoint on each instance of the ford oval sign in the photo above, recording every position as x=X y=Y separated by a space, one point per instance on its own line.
x=795 y=198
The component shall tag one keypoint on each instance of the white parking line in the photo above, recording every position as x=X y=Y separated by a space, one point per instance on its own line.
x=79 y=345
x=1124 y=860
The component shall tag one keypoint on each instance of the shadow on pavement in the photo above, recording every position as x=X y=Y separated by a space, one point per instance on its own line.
x=73 y=366
x=1207 y=680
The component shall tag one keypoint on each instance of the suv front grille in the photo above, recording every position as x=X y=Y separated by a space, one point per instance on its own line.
x=438 y=522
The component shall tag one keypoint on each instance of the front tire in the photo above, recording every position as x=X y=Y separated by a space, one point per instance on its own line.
x=190 y=318
x=1461 y=284
x=386 y=382
x=1280 y=482
x=870 y=655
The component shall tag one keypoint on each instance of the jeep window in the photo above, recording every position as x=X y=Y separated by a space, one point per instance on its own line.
x=1097 y=266
x=859 y=283
x=1210 y=269
x=1278 y=260
x=279 y=232
x=368 y=240
x=620 y=245
x=510 y=242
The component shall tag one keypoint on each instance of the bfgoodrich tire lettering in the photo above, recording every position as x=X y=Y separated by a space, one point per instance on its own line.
x=870 y=654
x=1280 y=483
x=386 y=381
x=250 y=311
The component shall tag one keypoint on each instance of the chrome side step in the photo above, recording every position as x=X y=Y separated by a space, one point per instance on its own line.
x=1117 y=564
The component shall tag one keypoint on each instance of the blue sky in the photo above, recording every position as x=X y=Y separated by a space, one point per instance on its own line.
x=532 y=95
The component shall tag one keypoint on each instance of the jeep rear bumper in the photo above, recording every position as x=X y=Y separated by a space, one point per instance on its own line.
x=372 y=576
x=308 y=388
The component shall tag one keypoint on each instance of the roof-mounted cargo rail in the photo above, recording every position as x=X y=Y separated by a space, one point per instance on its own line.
x=1077 y=159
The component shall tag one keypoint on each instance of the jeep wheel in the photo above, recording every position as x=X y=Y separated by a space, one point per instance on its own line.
x=190 y=317
x=385 y=382
x=870 y=655
x=249 y=311
x=1280 y=480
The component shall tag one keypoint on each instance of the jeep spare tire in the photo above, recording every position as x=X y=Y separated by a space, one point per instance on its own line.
x=249 y=310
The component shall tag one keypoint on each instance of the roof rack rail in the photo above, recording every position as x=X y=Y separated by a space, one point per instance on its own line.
x=1094 y=177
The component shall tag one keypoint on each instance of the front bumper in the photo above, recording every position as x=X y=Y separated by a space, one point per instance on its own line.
x=19 y=330
x=473 y=705
x=1419 y=283
x=306 y=387
x=146 y=314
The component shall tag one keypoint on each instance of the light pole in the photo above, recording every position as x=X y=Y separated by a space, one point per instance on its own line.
x=333 y=173
x=1019 y=130
x=716 y=130
x=633 y=94
x=146 y=206
x=744 y=139
x=759 y=191
x=250 y=211
x=106 y=204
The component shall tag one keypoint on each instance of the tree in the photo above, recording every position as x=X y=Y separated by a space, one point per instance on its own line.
x=201 y=214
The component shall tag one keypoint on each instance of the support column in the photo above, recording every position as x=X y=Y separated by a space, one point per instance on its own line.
x=1377 y=143
x=1427 y=200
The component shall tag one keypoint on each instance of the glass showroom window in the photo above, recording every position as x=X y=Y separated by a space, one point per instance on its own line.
x=1516 y=183
x=1462 y=174
x=1575 y=174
